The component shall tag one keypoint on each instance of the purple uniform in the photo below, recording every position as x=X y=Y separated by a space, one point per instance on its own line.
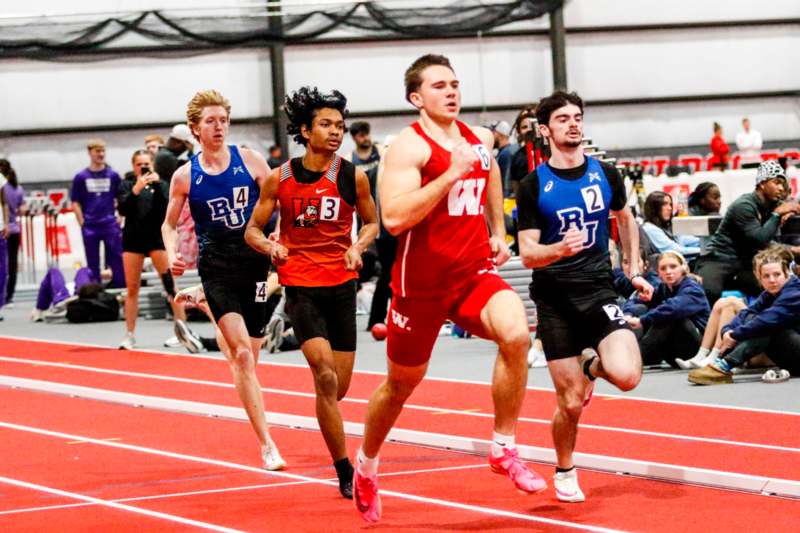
x=15 y=196
x=96 y=193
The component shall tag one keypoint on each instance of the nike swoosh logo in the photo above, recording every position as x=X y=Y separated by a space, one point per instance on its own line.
x=360 y=506
x=320 y=191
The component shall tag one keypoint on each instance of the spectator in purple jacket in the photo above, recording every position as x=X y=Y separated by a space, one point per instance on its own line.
x=93 y=194
x=14 y=196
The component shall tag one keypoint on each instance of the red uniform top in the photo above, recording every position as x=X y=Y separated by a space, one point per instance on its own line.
x=316 y=225
x=451 y=243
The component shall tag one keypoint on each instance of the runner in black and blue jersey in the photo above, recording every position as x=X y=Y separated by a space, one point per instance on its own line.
x=563 y=208
x=222 y=184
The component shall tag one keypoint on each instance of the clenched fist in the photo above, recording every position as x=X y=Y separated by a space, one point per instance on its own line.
x=462 y=158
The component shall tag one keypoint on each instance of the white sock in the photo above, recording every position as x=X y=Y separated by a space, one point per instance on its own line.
x=500 y=441
x=365 y=465
x=713 y=354
x=701 y=354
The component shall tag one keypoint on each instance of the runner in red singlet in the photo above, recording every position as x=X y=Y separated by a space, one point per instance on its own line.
x=316 y=257
x=440 y=189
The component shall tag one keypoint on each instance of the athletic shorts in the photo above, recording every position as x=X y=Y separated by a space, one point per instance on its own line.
x=576 y=316
x=326 y=312
x=240 y=289
x=139 y=243
x=414 y=323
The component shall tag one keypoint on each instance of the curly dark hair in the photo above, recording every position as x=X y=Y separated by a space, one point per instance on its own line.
x=302 y=106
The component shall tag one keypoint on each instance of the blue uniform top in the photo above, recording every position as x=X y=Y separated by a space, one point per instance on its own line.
x=583 y=202
x=221 y=205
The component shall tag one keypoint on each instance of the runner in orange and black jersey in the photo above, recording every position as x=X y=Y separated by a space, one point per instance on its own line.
x=315 y=255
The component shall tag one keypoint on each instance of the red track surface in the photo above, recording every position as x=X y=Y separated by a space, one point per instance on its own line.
x=110 y=473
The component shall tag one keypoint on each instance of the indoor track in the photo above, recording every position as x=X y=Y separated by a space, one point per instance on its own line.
x=141 y=440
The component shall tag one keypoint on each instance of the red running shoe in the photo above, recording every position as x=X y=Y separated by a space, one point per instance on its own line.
x=524 y=479
x=366 y=497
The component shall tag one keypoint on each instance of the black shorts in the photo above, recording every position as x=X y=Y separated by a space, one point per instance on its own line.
x=576 y=316
x=141 y=243
x=327 y=312
x=240 y=287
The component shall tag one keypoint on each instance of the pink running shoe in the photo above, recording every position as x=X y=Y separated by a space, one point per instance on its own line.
x=524 y=479
x=366 y=497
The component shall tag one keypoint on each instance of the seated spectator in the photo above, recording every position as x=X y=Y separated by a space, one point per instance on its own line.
x=770 y=325
x=54 y=294
x=705 y=200
x=622 y=284
x=749 y=225
x=658 y=227
x=674 y=318
x=721 y=314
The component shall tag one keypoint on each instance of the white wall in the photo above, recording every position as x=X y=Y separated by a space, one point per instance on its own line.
x=129 y=90
x=494 y=71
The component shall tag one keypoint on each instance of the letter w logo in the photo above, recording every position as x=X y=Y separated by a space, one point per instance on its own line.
x=465 y=197
x=399 y=320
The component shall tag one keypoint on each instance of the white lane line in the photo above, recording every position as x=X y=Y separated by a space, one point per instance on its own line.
x=427 y=378
x=298 y=477
x=118 y=506
x=229 y=489
x=156 y=497
x=434 y=410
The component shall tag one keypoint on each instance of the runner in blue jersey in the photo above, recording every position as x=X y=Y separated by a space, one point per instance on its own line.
x=222 y=184
x=563 y=208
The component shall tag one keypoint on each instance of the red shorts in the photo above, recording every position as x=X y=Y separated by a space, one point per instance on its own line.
x=414 y=323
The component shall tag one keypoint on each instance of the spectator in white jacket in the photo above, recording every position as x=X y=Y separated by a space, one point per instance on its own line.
x=749 y=143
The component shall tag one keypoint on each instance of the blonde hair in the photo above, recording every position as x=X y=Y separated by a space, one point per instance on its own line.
x=154 y=137
x=675 y=255
x=202 y=100
x=776 y=253
x=95 y=143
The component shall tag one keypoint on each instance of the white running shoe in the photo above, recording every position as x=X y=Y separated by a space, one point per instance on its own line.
x=187 y=337
x=566 y=485
x=274 y=335
x=536 y=358
x=193 y=295
x=37 y=315
x=172 y=342
x=272 y=457
x=128 y=343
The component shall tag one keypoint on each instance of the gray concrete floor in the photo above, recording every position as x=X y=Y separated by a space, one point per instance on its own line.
x=453 y=358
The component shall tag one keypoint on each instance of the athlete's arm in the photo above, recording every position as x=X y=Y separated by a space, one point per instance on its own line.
x=366 y=210
x=267 y=198
x=535 y=254
x=178 y=191
x=629 y=235
x=495 y=216
x=404 y=202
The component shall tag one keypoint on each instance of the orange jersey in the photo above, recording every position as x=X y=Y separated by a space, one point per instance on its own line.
x=451 y=243
x=316 y=225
